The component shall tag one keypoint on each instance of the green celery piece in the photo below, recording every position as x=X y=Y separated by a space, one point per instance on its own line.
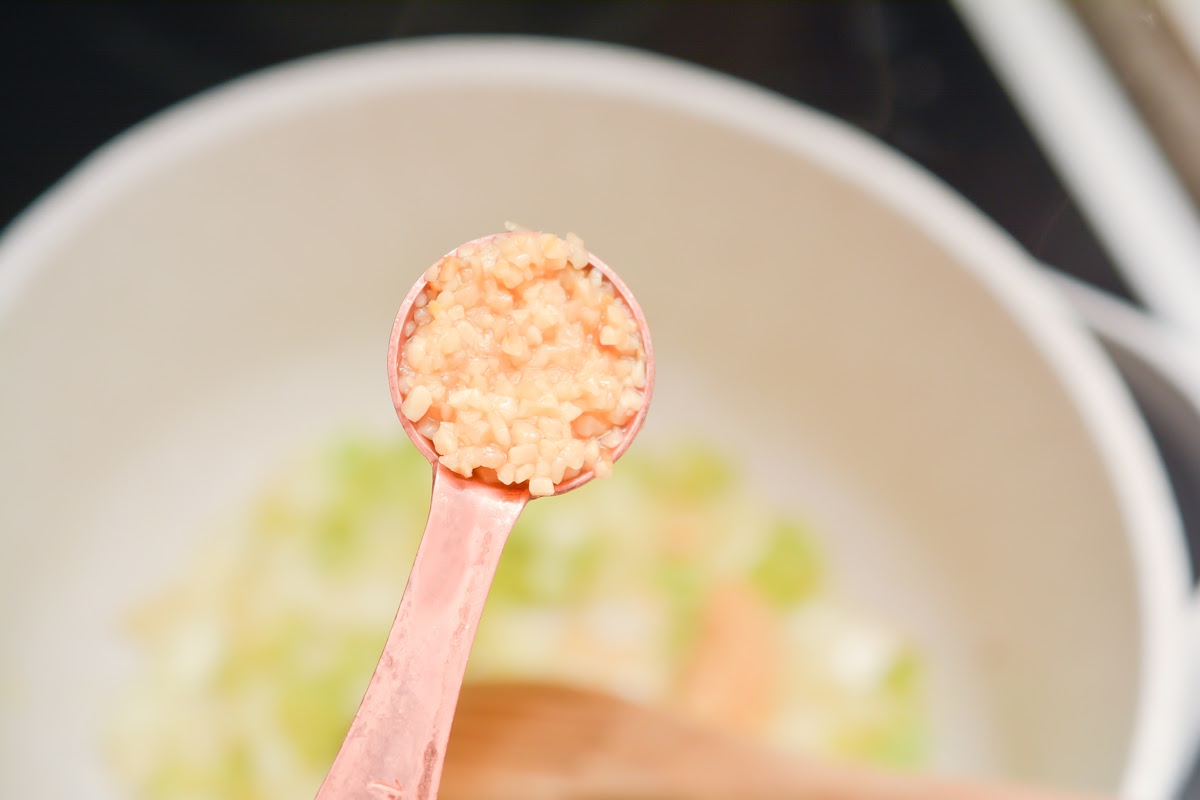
x=685 y=587
x=904 y=746
x=316 y=707
x=904 y=678
x=511 y=584
x=791 y=569
x=689 y=470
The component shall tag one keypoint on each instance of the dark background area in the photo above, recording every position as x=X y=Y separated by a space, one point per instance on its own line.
x=72 y=76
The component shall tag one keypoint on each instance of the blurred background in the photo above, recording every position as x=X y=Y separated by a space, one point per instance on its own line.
x=72 y=76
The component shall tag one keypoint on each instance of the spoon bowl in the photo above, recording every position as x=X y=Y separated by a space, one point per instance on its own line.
x=405 y=314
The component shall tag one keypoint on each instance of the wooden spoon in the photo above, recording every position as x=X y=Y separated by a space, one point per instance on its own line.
x=545 y=742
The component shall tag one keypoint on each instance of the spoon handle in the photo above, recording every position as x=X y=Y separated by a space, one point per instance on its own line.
x=397 y=742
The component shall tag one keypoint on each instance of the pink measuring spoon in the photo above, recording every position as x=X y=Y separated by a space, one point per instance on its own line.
x=396 y=744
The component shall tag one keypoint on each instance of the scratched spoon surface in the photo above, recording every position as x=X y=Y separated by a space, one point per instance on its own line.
x=396 y=744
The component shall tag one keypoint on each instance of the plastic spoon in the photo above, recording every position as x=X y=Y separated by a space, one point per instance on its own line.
x=396 y=744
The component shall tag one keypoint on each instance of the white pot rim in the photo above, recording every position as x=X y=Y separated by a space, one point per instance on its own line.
x=1102 y=400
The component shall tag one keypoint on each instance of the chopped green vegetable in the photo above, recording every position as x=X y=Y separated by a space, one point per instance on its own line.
x=255 y=661
x=790 y=569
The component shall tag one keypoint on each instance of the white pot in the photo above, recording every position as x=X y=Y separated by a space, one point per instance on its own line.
x=217 y=285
